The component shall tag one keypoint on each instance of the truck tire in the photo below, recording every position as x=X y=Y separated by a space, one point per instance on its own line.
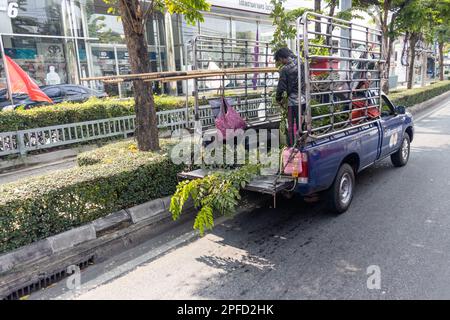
x=340 y=195
x=401 y=157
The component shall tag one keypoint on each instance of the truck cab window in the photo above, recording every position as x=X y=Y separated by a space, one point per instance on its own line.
x=387 y=109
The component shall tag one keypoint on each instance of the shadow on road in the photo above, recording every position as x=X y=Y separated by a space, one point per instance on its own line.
x=301 y=250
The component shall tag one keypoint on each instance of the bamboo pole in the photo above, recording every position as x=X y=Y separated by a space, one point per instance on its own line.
x=181 y=75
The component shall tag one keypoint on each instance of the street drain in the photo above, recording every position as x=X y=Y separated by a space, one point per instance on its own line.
x=46 y=281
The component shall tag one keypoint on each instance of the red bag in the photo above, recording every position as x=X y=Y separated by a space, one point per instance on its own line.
x=229 y=120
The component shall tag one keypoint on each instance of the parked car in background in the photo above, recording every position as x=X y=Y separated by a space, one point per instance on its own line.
x=58 y=93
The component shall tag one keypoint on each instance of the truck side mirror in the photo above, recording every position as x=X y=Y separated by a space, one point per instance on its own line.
x=400 y=110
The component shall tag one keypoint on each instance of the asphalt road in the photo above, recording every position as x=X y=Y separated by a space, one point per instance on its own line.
x=399 y=222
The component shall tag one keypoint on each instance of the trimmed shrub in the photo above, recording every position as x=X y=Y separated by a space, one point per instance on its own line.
x=115 y=152
x=63 y=113
x=68 y=112
x=93 y=109
x=409 y=98
x=39 y=207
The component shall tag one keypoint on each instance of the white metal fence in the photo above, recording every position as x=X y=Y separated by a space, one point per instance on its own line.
x=23 y=141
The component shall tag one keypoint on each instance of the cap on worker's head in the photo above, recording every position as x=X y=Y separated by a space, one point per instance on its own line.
x=283 y=53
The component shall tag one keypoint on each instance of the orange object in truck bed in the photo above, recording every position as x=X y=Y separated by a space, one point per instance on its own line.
x=372 y=112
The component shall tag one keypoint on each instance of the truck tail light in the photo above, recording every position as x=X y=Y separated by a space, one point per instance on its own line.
x=303 y=176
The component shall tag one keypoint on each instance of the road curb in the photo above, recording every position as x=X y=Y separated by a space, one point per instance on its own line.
x=146 y=210
x=28 y=265
x=114 y=221
x=26 y=254
x=45 y=262
x=71 y=238
x=427 y=104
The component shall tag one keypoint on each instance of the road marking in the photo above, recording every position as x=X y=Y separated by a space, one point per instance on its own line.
x=126 y=267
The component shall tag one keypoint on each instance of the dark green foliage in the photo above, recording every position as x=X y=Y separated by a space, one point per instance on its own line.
x=409 y=98
x=218 y=192
x=35 y=208
x=93 y=109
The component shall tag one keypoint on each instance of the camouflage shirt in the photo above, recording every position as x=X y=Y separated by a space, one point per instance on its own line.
x=288 y=82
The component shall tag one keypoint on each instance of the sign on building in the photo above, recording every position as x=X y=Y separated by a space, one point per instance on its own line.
x=12 y=8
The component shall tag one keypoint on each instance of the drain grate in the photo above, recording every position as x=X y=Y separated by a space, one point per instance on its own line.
x=46 y=281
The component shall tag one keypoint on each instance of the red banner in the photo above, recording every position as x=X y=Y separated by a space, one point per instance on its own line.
x=21 y=82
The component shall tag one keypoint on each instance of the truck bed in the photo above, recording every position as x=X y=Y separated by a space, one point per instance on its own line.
x=270 y=184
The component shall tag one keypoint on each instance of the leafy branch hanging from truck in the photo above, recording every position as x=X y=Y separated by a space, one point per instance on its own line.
x=217 y=192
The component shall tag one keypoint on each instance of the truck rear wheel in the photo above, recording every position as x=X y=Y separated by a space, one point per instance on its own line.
x=340 y=195
x=401 y=157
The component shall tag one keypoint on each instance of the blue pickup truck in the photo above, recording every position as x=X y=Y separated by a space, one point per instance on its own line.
x=345 y=123
x=330 y=164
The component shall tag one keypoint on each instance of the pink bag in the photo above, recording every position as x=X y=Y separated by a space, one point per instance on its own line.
x=292 y=163
x=229 y=120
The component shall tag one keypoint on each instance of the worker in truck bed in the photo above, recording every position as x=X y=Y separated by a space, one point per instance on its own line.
x=288 y=82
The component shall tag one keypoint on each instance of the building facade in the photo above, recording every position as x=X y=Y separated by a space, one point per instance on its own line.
x=63 y=41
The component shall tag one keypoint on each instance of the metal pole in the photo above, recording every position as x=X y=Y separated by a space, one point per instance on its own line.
x=74 y=32
x=116 y=62
x=185 y=59
x=8 y=80
x=307 y=76
x=345 y=33
x=299 y=75
x=195 y=67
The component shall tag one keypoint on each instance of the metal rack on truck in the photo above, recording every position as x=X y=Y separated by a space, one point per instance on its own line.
x=250 y=92
x=337 y=61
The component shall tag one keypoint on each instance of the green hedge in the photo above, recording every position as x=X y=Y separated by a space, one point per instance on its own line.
x=38 y=207
x=67 y=112
x=93 y=109
x=411 y=97
x=115 y=152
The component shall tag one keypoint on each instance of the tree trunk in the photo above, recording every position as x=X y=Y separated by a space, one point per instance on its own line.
x=390 y=48
x=441 y=61
x=132 y=14
x=317 y=8
x=412 y=59
x=384 y=15
x=333 y=5
x=424 y=68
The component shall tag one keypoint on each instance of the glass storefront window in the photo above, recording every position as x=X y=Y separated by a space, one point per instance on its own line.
x=77 y=8
x=188 y=31
x=46 y=60
x=104 y=64
x=40 y=17
x=218 y=27
x=266 y=32
x=244 y=30
x=67 y=59
x=106 y=27
x=123 y=67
